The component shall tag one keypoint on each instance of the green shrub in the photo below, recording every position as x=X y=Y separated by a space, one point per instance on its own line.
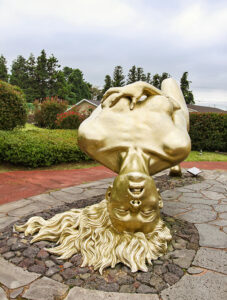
x=46 y=112
x=36 y=148
x=208 y=131
x=13 y=111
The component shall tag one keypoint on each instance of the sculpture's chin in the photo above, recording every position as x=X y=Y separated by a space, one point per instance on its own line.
x=90 y=231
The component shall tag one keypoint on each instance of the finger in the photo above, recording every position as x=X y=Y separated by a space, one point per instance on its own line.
x=133 y=103
x=109 y=92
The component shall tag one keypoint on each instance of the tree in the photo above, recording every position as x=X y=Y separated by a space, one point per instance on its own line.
x=41 y=74
x=19 y=73
x=132 y=75
x=107 y=85
x=118 y=76
x=184 y=84
x=32 y=91
x=157 y=79
x=96 y=92
x=3 y=69
x=53 y=76
x=140 y=74
x=78 y=88
x=148 y=78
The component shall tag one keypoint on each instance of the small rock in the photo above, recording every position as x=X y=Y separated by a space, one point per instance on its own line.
x=183 y=258
x=85 y=276
x=192 y=246
x=157 y=283
x=125 y=280
x=193 y=270
x=37 y=269
x=127 y=289
x=16 y=260
x=74 y=282
x=145 y=289
x=170 y=278
x=31 y=252
x=4 y=249
x=144 y=277
x=76 y=260
x=42 y=244
x=24 y=241
x=11 y=241
x=52 y=270
x=160 y=269
x=27 y=262
x=175 y=269
x=109 y=287
x=49 y=263
x=57 y=277
x=43 y=254
x=69 y=273
x=67 y=265
x=8 y=255
x=83 y=270
x=18 y=246
x=56 y=260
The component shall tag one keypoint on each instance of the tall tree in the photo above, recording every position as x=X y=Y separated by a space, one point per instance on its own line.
x=140 y=74
x=157 y=79
x=148 y=78
x=108 y=84
x=184 y=84
x=32 y=91
x=19 y=73
x=132 y=75
x=53 y=76
x=118 y=76
x=3 y=69
x=42 y=75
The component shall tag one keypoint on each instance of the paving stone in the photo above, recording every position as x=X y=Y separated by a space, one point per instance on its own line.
x=219 y=222
x=201 y=206
x=211 y=236
x=68 y=273
x=18 y=246
x=42 y=244
x=52 y=270
x=74 y=190
x=221 y=208
x=16 y=292
x=74 y=282
x=125 y=280
x=223 y=216
x=85 y=276
x=213 y=195
x=77 y=293
x=43 y=254
x=201 y=200
x=6 y=221
x=14 y=277
x=46 y=289
x=194 y=270
x=170 y=278
x=172 y=211
x=37 y=269
x=217 y=188
x=67 y=265
x=109 y=287
x=144 y=277
x=198 y=216
x=212 y=259
x=208 y=286
x=225 y=229
x=5 y=208
x=8 y=255
x=175 y=269
x=46 y=199
x=27 y=262
x=183 y=258
x=28 y=209
x=2 y=294
x=170 y=195
x=199 y=186
x=49 y=263
x=157 y=282
x=31 y=252
x=11 y=241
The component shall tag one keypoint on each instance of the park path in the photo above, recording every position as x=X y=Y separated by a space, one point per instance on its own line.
x=17 y=185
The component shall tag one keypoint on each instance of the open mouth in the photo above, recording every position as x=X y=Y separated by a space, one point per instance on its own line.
x=136 y=192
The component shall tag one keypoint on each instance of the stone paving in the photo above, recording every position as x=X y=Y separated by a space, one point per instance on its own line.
x=204 y=204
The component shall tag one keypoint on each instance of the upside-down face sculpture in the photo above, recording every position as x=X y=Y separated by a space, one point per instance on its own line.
x=133 y=203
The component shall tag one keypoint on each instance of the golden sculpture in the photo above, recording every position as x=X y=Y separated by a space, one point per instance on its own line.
x=136 y=138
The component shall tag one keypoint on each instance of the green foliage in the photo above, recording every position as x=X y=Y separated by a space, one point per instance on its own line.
x=36 y=148
x=184 y=84
x=3 y=69
x=107 y=85
x=132 y=76
x=157 y=79
x=13 y=112
x=118 y=77
x=46 y=112
x=208 y=131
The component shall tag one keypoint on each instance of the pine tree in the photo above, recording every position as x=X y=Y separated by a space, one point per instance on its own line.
x=19 y=73
x=184 y=84
x=148 y=78
x=108 y=84
x=140 y=74
x=118 y=77
x=32 y=91
x=53 y=76
x=156 y=81
x=132 y=75
x=3 y=69
x=41 y=74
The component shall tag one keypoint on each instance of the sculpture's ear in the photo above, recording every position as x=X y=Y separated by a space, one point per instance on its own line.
x=108 y=193
x=160 y=202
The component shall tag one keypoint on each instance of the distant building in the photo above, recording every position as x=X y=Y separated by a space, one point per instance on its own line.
x=204 y=109
x=85 y=105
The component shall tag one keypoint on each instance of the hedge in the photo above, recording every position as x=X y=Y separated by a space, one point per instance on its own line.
x=33 y=148
x=208 y=131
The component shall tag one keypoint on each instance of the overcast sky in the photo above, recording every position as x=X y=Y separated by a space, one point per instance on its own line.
x=96 y=35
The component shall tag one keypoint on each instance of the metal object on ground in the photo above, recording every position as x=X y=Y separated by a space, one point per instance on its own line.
x=136 y=139
x=194 y=171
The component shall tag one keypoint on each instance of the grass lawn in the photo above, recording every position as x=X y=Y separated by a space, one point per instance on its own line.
x=206 y=156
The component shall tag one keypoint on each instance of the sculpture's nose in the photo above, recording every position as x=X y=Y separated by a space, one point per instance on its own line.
x=135 y=202
x=136 y=177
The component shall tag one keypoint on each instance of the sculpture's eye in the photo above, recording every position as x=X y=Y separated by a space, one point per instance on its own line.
x=147 y=213
x=121 y=212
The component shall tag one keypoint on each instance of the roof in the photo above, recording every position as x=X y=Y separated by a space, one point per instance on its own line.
x=204 y=109
x=93 y=102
